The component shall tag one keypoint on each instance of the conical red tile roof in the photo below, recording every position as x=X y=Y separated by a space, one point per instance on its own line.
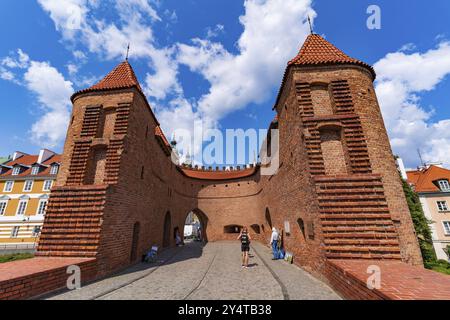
x=316 y=51
x=122 y=77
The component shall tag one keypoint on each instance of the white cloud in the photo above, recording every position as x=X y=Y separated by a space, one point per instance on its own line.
x=20 y=60
x=139 y=8
x=72 y=69
x=109 y=39
x=69 y=16
x=273 y=31
x=402 y=77
x=214 y=32
x=6 y=74
x=53 y=94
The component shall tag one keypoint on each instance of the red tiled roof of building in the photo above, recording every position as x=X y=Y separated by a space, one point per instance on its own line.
x=122 y=77
x=29 y=160
x=316 y=50
x=424 y=180
x=26 y=160
x=217 y=175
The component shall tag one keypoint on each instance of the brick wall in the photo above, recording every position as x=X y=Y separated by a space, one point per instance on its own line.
x=31 y=278
x=355 y=210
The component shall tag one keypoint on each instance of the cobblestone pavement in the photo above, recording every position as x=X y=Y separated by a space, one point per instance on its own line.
x=210 y=272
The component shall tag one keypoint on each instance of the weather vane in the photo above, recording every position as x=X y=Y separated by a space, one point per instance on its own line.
x=310 y=25
x=128 y=51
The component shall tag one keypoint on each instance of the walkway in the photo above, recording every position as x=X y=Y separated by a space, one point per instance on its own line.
x=211 y=272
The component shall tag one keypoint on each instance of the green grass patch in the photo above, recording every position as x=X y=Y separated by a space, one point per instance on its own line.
x=441 y=266
x=15 y=256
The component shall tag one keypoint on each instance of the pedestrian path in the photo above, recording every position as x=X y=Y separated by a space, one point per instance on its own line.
x=207 y=272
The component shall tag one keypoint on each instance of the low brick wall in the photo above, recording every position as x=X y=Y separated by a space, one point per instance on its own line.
x=30 y=278
x=399 y=281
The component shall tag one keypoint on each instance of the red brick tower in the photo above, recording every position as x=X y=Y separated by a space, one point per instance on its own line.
x=87 y=214
x=327 y=101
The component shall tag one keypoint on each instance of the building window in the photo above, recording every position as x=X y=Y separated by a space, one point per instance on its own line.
x=16 y=171
x=442 y=205
x=444 y=185
x=446 y=227
x=42 y=206
x=21 y=208
x=3 y=205
x=35 y=170
x=8 y=186
x=54 y=169
x=15 y=232
x=28 y=186
x=47 y=185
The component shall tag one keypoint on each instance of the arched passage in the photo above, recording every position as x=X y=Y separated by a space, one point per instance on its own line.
x=167 y=229
x=195 y=226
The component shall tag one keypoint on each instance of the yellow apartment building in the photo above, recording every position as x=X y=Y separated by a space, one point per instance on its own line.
x=25 y=184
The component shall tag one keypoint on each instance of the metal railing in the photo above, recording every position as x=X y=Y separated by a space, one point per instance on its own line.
x=19 y=246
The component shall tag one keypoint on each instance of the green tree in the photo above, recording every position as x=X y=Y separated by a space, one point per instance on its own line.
x=421 y=225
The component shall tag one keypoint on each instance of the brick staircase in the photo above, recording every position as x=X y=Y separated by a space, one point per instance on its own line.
x=73 y=222
x=355 y=218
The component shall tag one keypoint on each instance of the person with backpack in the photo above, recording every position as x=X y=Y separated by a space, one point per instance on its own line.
x=274 y=243
x=245 y=246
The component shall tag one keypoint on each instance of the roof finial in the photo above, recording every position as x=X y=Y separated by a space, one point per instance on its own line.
x=128 y=51
x=310 y=25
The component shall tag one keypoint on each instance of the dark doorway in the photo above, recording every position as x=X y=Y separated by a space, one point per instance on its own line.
x=301 y=224
x=167 y=230
x=135 y=241
x=233 y=228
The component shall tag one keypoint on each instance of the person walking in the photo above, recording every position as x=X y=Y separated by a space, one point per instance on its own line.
x=274 y=243
x=245 y=246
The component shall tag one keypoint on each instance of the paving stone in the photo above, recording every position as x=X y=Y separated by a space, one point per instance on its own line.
x=210 y=272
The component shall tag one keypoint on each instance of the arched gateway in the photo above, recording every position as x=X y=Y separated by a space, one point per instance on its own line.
x=337 y=187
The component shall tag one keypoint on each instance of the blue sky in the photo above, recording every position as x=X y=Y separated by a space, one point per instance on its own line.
x=218 y=60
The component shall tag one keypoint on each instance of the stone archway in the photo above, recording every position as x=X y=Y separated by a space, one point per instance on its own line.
x=167 y=230
x=203 y=223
